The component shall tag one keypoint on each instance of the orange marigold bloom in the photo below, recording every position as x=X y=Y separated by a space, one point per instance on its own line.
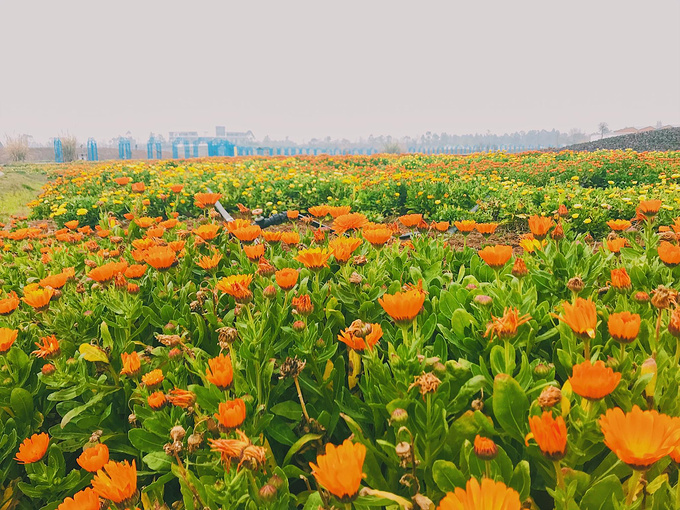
x=237 y=286
x=485 y=448
x=593 y=382
x=540 y=226
x=56 y=281
x=411 y=220
x=674 y=323
x=519 y=268
x=354 y=340
x=377 y=236
x=404 y=306
x=639 y=438
x=131 y=364
x=286 y=278
x=619 y=225
x=176 y=246
x=624 y=326
x=156 y=231
x=9 y=304
x=181 y=398
x=176 y=188
x=144 y=244
x=33 y=448
x=441 y=226
x=103 y=273
x=343 y=247
x=153 y=378
x=351 y=221
x=550 y=435
x=116 y=481
x=465 y=226
x=160 y=257
x=49 y=348
x=247 y=234
x=339 y=210
x=581 y=317
x=7 y=339
x=340 y=469
x=238 y=223
x=231 y=414
x=303 y=304
x=122 y=181
x=486 y=228
x=169 y=223
x=292 y=214
x=318 y=211
x=669 y=253
x=220 y=372
x=314 y=258
x=496 y=256
x=156 y=400
x=620 y=279
x=87 y=499
x=72 y=225
x=203 y=200
x=271 y=236
x=290 y=238
x=648 y=209
x=135 y=271
x=38 y=298
x=506 y=326
x=209 y=262
x=207 y=231
x=489 y=495
x=253 y=251
x=145 y=222
x=615 y=245
x=94 y=458
x=138 y=187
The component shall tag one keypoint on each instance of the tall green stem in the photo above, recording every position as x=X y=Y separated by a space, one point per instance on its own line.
x=632 y=486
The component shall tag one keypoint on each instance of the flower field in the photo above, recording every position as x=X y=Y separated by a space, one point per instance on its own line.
x=386 y=346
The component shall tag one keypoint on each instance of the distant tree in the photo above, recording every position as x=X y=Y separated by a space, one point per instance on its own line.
x=17 y=147
x=603 y=128
x=69 y=146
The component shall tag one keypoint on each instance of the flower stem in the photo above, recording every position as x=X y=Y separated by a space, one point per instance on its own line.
x=302 y=400
x=632 y=486
x=506 y=345
x=558 y=475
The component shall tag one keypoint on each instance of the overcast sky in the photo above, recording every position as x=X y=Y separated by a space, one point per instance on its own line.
x=346 y=68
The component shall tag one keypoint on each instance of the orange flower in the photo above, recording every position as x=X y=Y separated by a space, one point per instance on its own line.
x=405 y=306
x=33 y=448
x=302 y=304
x=624 y=326
x=131 y=364
x=639 y=438
x=619 y=225
x=496 y=256
x=286 y=278
x=540 y=225
x=160 y=257
x=647 y=209
x=669 y=253
x=620 y=279
x=343 y=247
x=593 y=382
x=271 y=236
x=237 y=286
x=38 y=298
x=181 y=398
x=519 y=268
x=209 y=262
x=122 y=181
x=581 y=317
x=339 y=210
x=56 y=281
x=318 y=211
x=176 y=188
x=93 y=459
x=292 y=214
x=290 y=238
x=135 y=271
x=231 y=414
x=352 y=221
x=236 y=224
x=203 y=200
x=356 y=341
x=87 y=499
x=207 y=231
x=247 y=234
x=314 y=258
x=340 y=469
x=116 y=481
x=144 y=244
x=490 y=495
x=169 y=223
x=485 y=448
x=153 y=378
x=486 y=229
x=506 y=326
x=9 y=304
x=465 y=226
x=103 y=273
x=441 y=226
x=220 y=372
x=7 y=339
x=550 y=435
x=145 y=222
x=254 y=251
x=615 y=245
x=49 y=347
x=156 y=232
x=156 y=400
x=411 y=220
x=377 y=236
x=72 y=225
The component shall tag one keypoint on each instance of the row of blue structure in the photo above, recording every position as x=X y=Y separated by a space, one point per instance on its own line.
x=222 y=147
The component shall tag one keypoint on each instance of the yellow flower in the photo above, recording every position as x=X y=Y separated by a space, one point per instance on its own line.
x=81 y=212
x=587 y=220
x=575 y=215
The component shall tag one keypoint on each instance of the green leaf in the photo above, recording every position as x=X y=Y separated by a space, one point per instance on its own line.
x=510 y=406
x=602 y=494
x=521 y=480
x=146 y=441
x=158 y=461
x=447 y=476
x=299 y=444
x=314 y=502
x=21 y=402
x=93 y=353
x=288 y=409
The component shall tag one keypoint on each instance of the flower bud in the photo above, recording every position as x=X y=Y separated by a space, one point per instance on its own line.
x=549 y=397
x=641 y=297
x=470 y=286
x=485 y=448
x=268 y=492
x=269 y=292
x=519 y=268
x=177 y=433
x=174 y=353
x=558 y=232
x=575 y=284
x=48 y=369
x=542 y=370
x=298 y=326
x=482 y=299
x=276 y=481
x=355 y=278
x=398 y=416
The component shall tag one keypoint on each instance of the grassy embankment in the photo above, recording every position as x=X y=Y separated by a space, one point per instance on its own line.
x=19 y=185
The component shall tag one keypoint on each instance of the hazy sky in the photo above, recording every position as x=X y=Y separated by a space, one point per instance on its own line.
x=339 y=68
